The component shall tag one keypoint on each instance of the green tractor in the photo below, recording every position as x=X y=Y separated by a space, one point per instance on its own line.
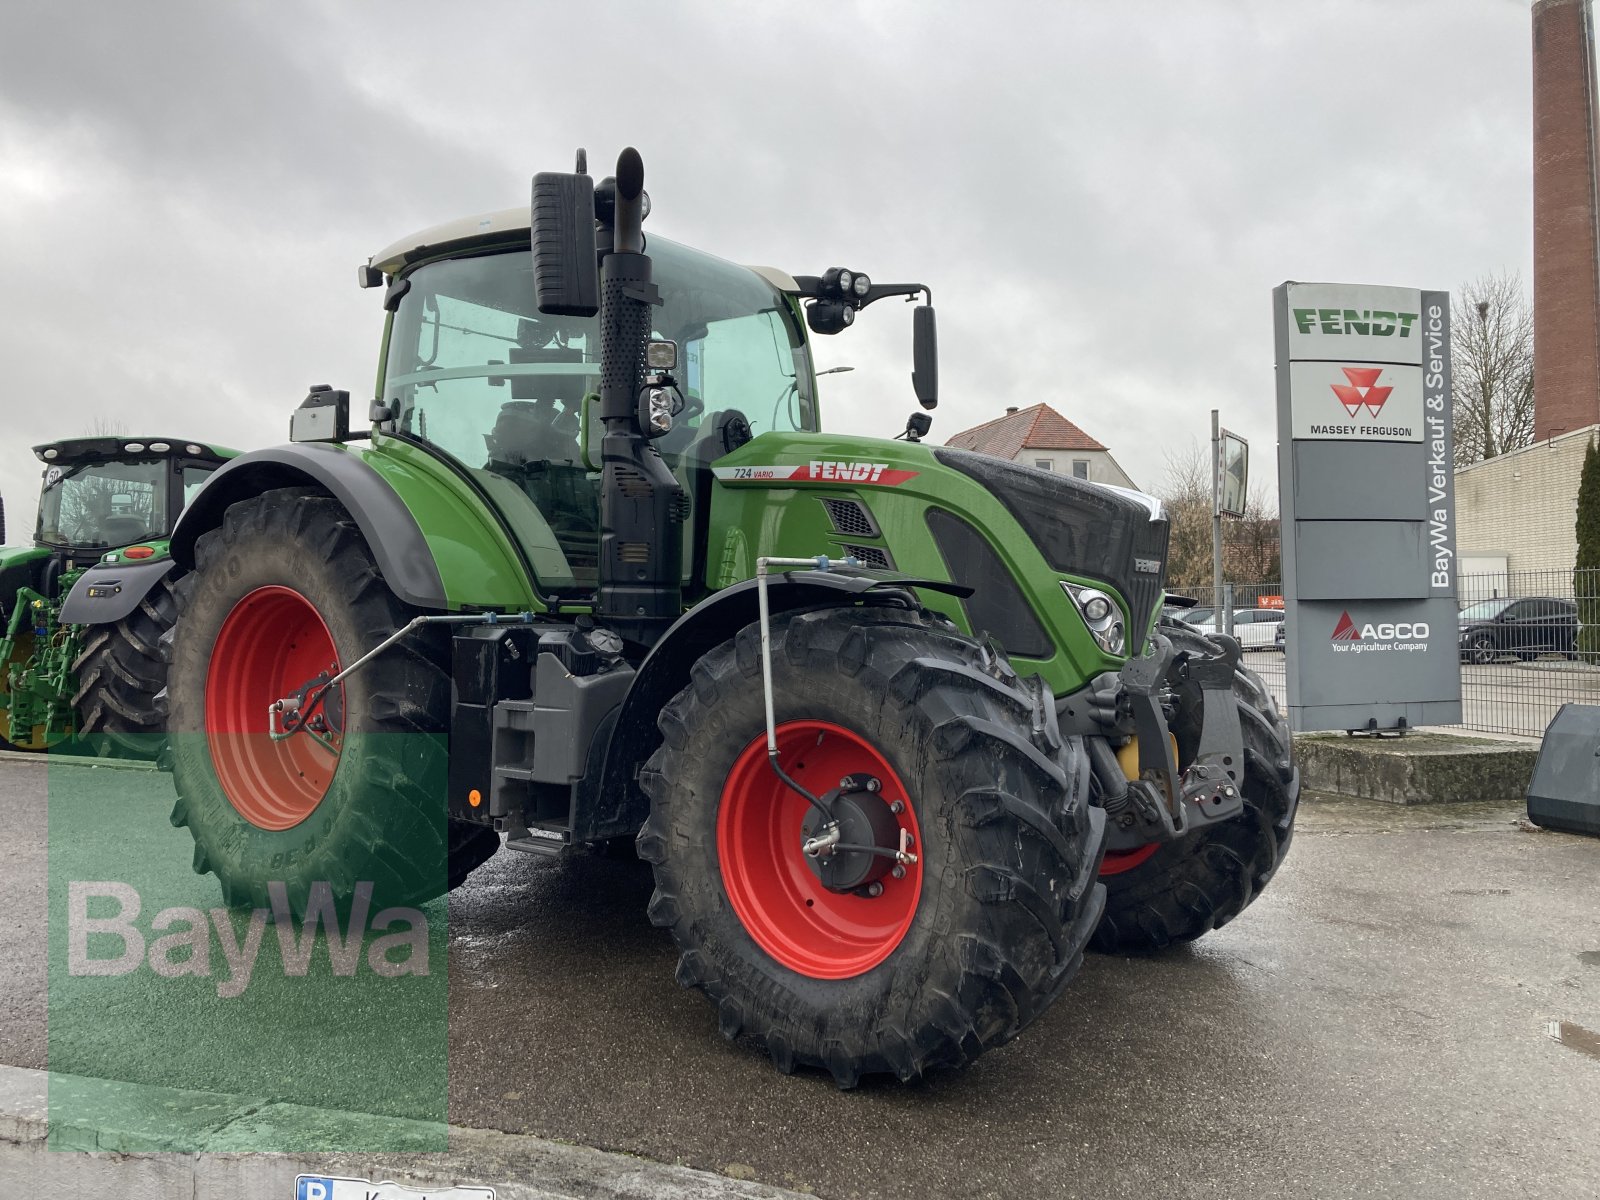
x=85 y=606
x=896 y=726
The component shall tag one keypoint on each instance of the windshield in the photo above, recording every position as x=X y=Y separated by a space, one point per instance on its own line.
x=474 y=369
x=104 y=504
x=1485 y=610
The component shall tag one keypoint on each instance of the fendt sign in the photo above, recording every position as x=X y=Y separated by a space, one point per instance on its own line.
x=1368 y=511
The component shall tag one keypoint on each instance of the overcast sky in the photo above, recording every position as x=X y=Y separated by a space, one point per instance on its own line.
x=1102 y=196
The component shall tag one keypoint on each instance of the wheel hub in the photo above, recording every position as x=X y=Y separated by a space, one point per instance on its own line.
x=856 y=847
x=840 y=911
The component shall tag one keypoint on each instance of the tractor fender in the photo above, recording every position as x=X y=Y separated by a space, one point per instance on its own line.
x=108 y=592
x=620 y=806
x=392 y=533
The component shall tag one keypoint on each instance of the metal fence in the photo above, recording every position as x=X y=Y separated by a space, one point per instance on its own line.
x=1521 y=638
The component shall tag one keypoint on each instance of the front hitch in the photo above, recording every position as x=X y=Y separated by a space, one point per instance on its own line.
x=1163 y=804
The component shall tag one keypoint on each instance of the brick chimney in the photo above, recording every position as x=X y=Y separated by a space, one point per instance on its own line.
x=1566 y=220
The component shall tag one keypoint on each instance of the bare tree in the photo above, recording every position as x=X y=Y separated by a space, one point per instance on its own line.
x=1186 y=493
x=1249 y=543
x=104 y=426
x=1491 y=352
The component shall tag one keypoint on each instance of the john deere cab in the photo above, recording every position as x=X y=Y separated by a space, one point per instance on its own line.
x=897 y=727
x=85 y=659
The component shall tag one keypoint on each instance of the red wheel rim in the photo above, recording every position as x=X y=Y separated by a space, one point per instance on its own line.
x=1117 y=861
x=783 y=905
x=272 y=643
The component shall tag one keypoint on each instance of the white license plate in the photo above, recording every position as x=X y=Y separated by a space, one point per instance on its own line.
x=328 y=1187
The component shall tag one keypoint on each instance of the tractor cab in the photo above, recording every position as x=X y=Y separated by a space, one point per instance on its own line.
x=111 y=495
x=477 y=372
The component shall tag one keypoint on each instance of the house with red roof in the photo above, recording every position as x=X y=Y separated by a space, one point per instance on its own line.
x=1041 y=437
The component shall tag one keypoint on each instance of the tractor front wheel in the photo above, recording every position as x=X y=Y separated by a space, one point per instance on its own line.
x=853 y=960
x=348 y=791
x=1169 y=892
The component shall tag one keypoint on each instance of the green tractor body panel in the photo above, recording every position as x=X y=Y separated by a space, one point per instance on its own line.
x=771 y=498
x=482 y=560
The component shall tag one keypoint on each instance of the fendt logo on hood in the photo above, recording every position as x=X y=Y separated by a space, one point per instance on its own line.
x=1362 y=390
x=1378 y=636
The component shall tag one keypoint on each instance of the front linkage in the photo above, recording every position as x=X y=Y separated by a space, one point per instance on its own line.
x=1137 y=703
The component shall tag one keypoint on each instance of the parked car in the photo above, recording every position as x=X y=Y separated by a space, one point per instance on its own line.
x=1254 y=627
x=1526 y=627
x=1194 y=615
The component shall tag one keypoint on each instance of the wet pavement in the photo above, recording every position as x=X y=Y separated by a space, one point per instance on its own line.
x=1406 y=1012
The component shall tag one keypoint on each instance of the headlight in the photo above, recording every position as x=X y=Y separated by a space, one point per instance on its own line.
x=846 y=281
x=861 y=286
x=1100 y=613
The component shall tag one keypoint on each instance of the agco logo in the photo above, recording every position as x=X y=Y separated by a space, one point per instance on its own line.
x=1380 y=635
x=1362 y=390
x=1369 y=322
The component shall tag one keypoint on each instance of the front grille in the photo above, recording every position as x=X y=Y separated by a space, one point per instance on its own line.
x=851 y=518
x=870 y=556
x=1144 y=588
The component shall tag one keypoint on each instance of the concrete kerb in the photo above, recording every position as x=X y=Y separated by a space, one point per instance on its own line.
x=116 y=1151
x=1420 y=768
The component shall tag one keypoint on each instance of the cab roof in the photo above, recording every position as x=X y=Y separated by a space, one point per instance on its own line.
x=508 y=225
x=85 y=449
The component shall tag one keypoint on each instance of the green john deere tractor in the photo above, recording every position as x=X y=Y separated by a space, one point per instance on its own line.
x=896 y=726
x=85 y=606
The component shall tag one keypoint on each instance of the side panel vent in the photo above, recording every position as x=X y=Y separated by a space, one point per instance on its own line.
x=851 y=518
x=870 y=556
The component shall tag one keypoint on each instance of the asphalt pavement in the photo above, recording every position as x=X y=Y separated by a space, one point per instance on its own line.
x=1402 y=1014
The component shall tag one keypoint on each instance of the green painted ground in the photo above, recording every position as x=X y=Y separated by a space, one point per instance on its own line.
x=175 y=1012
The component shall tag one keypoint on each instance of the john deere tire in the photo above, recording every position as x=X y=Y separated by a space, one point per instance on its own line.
x=958 y=954
x=286 y=591
x=120 y=672
x=1175 y=892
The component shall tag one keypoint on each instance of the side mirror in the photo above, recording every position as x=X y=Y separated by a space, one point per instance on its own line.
x=566 y=273
x=925 y=356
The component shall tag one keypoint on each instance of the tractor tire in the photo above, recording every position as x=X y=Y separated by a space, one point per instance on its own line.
x=1162 y=894
x=120 y=672
x=284 y=592
x=956 y=955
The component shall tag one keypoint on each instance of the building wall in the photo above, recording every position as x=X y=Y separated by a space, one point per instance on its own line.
x=1524 y=504
x=1102 y=467
x=1566 y=270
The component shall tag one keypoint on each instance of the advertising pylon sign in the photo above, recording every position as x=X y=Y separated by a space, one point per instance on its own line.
x=1366 y=487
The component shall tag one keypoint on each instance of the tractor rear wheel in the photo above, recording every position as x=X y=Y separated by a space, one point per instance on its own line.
x=120 y=672
x=283 y=596
x=1165 y=893
x=896 y=968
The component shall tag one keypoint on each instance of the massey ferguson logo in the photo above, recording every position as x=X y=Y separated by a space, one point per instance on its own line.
x=1383 y=635
x=1362 y=391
